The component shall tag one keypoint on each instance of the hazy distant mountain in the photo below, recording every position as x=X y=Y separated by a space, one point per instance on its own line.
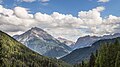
x=85 y=41
x=89 y=40
x=81 y=54
x=15 y=54
x=43 y=43
x=67 y=42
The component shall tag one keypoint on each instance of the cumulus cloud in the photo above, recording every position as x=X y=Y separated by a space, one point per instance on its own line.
x=22 y=13
x=1 y=9
x=103 y=1
x=59 y=25
x=92 y=16
x=6 y=12
x=13 y=21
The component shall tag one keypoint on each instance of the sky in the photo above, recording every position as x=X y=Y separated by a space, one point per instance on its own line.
x=69 y=19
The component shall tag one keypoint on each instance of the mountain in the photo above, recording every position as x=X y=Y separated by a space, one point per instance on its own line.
x=81 y=54
x=89 y=40
x=15 y=54
x=43 y=43
x=85 y=41
x=107 y=56
x=67 y=42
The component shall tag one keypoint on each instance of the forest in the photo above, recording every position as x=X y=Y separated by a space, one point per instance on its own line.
x=107 y=56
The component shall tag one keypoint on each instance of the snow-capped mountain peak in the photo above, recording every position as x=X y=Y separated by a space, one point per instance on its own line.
x=43 y=43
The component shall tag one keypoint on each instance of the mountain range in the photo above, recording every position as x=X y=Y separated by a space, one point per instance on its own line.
x=89 y=40
x=43 y=43
x=102 y=53
x=81 y=54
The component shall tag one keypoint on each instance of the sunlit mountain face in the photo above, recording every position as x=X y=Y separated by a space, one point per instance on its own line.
x=83 y=33
x=43 y=43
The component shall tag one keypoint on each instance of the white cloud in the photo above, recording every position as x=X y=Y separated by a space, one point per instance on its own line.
x=44 y=0
x=88 y=22
x=28 y=0
x=103 y=1
x=22 y=13
x=99 y=9
x=1 y=9
x=92 y=16
x=42 y=17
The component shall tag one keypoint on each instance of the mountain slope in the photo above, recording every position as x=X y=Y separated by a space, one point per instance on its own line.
x=107 y=56
x=85 y=41
x=42 y=42
x=14 y=54
x=67 y=42
x=81 y=54
x=89 y=40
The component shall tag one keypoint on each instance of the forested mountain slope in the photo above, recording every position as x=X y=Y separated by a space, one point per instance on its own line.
x=107 y=56
x=15 y=54
x=78 y=55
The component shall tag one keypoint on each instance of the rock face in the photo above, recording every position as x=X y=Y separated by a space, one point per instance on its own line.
x=84 y=42
x=43 y=43
x=67 y=42
x=89 y=40
x=81 y=54
x=15 y=54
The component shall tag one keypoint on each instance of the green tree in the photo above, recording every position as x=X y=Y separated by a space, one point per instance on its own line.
x=117 y=63
x=92 y=60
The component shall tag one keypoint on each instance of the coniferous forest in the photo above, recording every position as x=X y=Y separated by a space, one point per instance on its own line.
x=107 y=56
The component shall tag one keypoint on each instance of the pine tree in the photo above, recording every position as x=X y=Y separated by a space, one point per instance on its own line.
x=83 y=64
x=103 y=56
x=92 y=60
x=96 y=53
x=117 y=63
x=116 y=42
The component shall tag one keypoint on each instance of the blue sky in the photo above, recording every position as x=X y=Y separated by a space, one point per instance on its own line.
x=66 y=6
